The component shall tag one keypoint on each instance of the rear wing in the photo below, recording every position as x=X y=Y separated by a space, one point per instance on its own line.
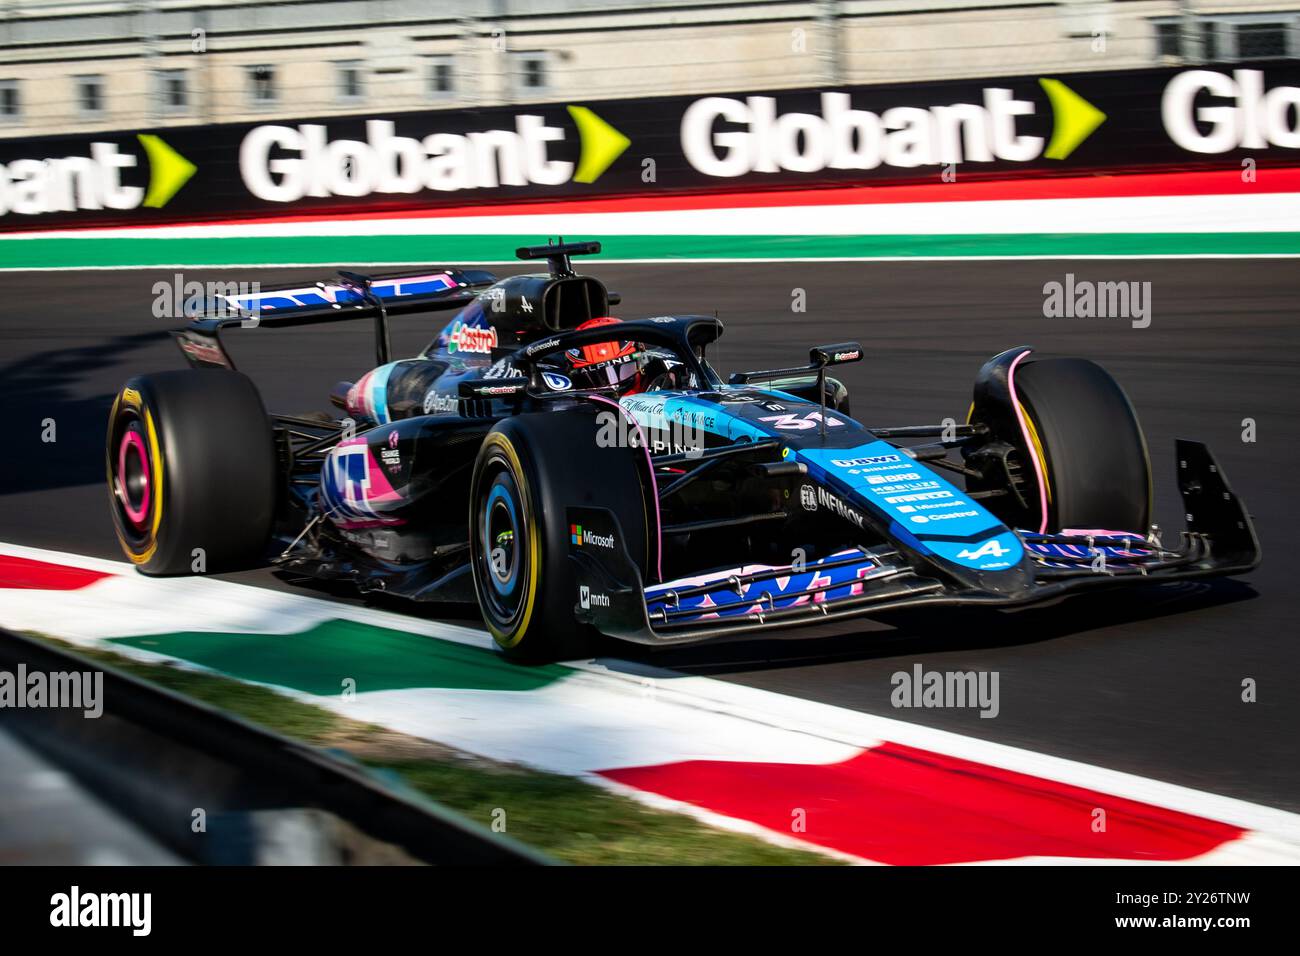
x=351 y=296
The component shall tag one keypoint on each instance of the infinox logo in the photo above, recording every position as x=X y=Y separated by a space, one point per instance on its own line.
x=445 y=162
x=841 y=137
x=1255 y=119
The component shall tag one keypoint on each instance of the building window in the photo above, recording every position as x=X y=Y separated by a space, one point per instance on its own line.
x=532 y=72
x=350 y=80
x=1169 y=39
x=442 y=77
x=173 y=91
x=90 y=95
x=1261 y=41
x=1210 y=41
x=11 y=107
x=261 y=84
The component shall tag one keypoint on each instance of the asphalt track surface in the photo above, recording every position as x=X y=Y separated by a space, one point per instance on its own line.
x=1147 y=681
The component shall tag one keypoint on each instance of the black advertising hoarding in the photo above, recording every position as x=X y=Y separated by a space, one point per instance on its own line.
x=1187 y=118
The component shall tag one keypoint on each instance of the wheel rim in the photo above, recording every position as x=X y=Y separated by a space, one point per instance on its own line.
x=134 y=479
x=502 y=549
x=133 y=482
x=499 y=536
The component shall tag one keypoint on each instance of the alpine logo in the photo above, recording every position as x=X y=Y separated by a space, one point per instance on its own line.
x=990 y=547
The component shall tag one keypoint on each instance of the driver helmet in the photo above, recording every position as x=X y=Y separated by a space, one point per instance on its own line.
x=606 y=364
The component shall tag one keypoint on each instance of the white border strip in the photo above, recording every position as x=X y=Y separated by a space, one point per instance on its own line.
x=1214 y=213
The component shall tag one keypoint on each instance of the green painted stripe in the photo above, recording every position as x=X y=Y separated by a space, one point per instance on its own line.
x=317 y=661
x=73 y=253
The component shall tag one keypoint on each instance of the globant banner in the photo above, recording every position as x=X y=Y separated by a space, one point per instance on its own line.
x=1209 y=117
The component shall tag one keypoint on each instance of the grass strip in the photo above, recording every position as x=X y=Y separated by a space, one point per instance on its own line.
x=565 y=817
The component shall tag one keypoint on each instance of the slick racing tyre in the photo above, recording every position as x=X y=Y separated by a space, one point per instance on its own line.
x=1080 y=447
x=530 y=471
x=191 y=471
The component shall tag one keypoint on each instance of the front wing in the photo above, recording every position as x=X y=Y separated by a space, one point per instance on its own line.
x=1219 y=540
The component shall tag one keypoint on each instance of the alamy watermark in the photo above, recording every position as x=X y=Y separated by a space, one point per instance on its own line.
x=1084 y=299
x=943 y=689
x=70 y=690
x=189 y=299
x=680 y=434
x=74 y=908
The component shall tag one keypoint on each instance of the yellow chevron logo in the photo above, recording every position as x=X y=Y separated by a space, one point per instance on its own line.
x=1073 y=119
x=601 y=144
x=168 y=170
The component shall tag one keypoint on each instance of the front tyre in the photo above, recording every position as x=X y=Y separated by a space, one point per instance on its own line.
x=191 y=468
x=1079 y=456
x=505 y=541
x=530 y=471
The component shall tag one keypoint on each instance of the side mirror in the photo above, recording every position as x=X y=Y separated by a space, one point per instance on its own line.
x=823 y=355
x=820 y=358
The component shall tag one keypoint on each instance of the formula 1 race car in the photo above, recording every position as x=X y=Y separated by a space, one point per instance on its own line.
x=576 y=474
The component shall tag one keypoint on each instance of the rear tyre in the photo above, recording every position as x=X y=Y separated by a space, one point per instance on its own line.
x=191 y=468
x=530 y=470
x=1084 y=439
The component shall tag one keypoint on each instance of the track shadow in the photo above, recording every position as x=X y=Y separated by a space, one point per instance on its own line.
x=465 y=615
x=903 y=633
x=45 y=386
x=933 y=631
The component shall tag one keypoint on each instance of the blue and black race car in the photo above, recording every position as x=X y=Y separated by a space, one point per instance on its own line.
x=575 y=474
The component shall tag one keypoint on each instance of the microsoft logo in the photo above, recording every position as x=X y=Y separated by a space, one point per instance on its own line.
x=585 y=536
